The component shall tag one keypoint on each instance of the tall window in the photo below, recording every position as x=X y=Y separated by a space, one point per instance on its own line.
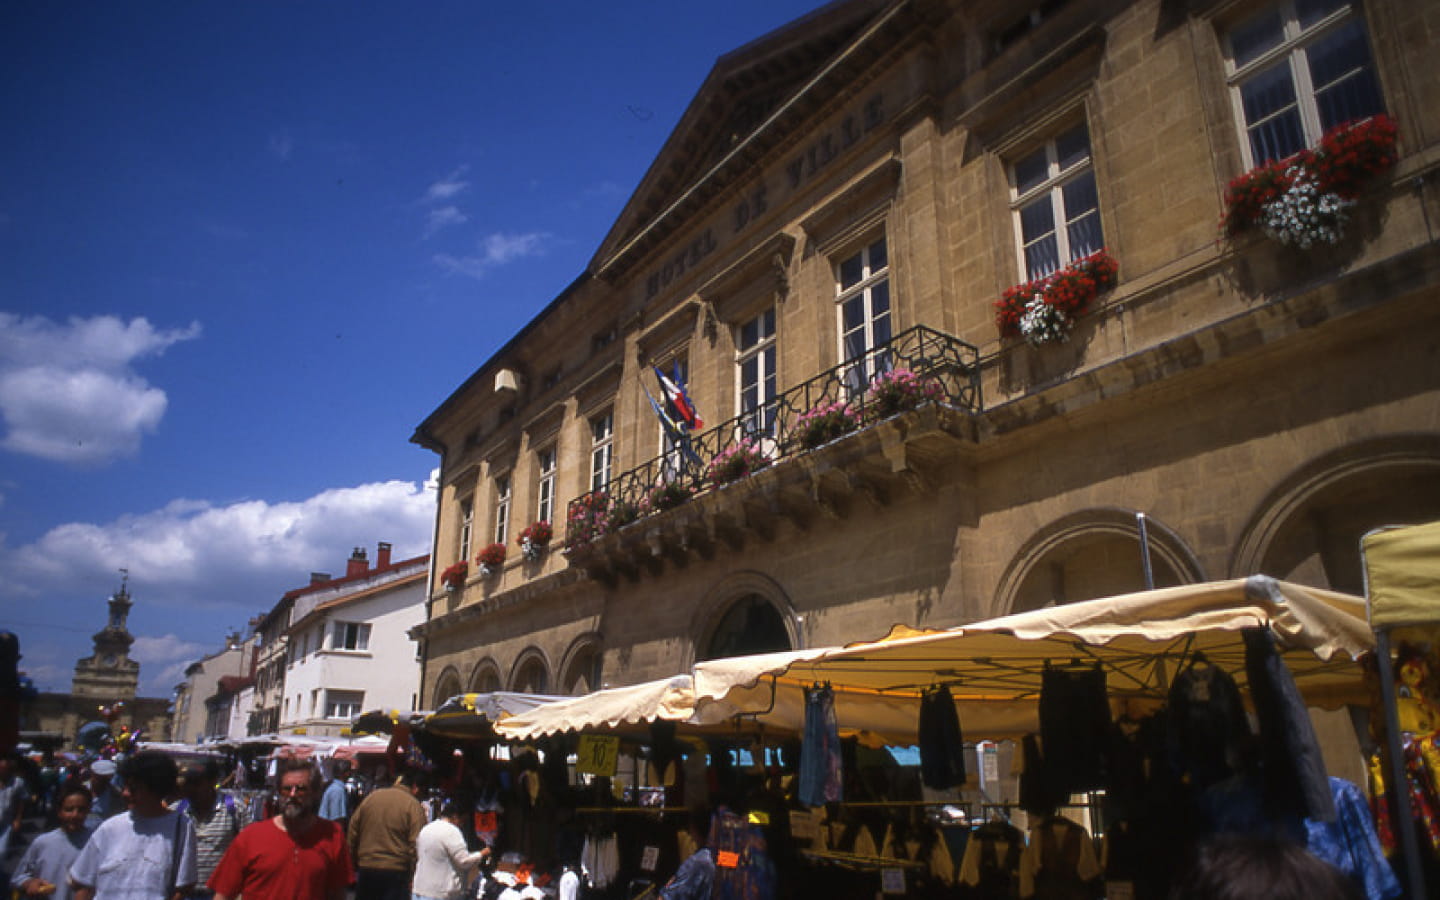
x=467 y=526
x=502 y=508
x=351 y=636
x=755 y=357
x=602 y=448
x=863 y=298
x=1056 y=206
x=1298 y=69
x=343 y=704
x=545 y=486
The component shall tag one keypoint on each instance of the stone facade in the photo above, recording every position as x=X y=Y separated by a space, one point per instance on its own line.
x=1261 y=404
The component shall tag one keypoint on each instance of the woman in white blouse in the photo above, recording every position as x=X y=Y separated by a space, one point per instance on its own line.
x=443 y=863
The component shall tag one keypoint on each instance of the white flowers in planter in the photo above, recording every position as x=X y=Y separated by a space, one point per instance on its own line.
x=1304 y=215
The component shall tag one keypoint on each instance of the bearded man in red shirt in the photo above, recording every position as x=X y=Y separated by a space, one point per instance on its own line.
x=293 y=856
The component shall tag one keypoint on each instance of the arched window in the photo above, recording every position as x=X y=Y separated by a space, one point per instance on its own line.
x=531 y=677
x=751 y=625
x=486 y=678
x=446 y=686
x=582 y=672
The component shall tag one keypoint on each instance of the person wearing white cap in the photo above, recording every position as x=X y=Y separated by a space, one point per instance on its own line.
x=109 y=800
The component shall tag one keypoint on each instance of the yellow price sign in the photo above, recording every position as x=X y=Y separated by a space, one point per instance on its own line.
x=597 y=754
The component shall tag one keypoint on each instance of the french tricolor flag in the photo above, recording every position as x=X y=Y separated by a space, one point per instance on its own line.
x=677 y=402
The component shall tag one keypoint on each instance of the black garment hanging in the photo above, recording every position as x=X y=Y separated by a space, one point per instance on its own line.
x=1074 y=725
x=1295 y=781
x=942 y=745
x=1207 y=736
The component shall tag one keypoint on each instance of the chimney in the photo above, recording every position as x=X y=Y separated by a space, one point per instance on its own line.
x=357 y=564
x=319 y=578
x=382 y=555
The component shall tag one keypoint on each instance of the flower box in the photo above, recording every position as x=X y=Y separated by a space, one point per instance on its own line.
x=899 y=390
x=454 y=576
x=824 y=423
x=736 y=462
x=535 y=538
x=1043 y=311
x=491 y=557
x=666 y=495
x=1305 y=199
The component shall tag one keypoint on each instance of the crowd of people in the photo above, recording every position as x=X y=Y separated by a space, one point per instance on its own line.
x=147 y=829
x=167 y=833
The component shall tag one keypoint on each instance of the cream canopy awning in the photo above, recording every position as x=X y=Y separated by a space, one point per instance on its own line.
x=669 y=699
x=993 y=668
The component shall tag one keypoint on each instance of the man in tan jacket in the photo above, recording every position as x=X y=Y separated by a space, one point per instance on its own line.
x=382 y=840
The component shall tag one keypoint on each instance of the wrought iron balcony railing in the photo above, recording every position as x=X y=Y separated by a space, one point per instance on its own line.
x=917 y=366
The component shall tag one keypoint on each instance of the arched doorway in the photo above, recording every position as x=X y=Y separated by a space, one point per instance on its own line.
x=446 y=686
x=752 y=624
x=1308 y=529
x=581 y=671
x=1089 y=554
x=532 y=675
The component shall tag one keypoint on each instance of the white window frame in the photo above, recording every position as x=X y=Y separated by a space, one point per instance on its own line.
x=467 y=526
x=1291 y=52
x=545 y=484
x=503 y=487
x=343 y=634
x=1051 y=190
x=343 y=705
x=755 y=400
x=866 y=364
x=602 y=449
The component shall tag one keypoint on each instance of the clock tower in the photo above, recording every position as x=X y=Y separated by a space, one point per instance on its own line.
x=109 y=676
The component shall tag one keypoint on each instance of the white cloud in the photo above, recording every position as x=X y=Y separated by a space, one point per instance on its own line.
x=448 y=187
x=444 y=217
x=281 y=146
x=491 y=251
x=69 y=392
x=209 y=567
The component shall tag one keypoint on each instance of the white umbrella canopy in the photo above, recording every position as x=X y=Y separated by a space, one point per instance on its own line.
x=994 y=668
x=479 y=715
x=631 y=707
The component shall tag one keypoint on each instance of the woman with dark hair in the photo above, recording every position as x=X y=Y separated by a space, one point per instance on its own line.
x=443 y=863
x=1250 y=867
x=149 y=852
x=44 y=870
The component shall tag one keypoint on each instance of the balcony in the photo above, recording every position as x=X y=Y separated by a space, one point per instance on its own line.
x=861 y=427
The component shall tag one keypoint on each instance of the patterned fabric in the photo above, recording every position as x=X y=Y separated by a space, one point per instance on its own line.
x=214 y=834
x=1351 y=844
x=743 y=870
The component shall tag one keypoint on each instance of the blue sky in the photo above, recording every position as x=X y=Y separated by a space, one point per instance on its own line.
x=246 y=247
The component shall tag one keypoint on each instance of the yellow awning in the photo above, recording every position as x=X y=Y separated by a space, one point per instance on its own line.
x=1402 y=570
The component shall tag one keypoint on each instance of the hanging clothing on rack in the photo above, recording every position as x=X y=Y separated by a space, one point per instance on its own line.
x=1060 y=862
x=942 y=745
x=1074 y=716
x=820 y=767
x=991 y=865
x=1208 y=737
x=1295 y=779
x=743 y=870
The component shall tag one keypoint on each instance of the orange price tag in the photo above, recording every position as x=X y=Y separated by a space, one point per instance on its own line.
x=727 y=859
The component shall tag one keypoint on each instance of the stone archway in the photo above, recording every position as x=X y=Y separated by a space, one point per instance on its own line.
x=1092 y=553
x=745 y=613
x=531 y=674
x=446 y=686
x=1308 y=528
x=580 y=673
x=485 y=677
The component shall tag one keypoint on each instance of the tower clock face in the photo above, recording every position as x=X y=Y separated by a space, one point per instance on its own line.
x=109 y=660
